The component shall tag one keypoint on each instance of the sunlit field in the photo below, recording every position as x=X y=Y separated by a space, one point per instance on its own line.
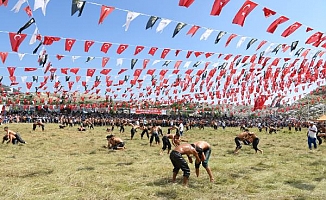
x=68 y=164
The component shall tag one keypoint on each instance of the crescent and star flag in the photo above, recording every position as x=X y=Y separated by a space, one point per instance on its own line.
x=275 y=24
x=74 y=70
x=105 y=71
x=48 y=40
x=16 y=40
x=122 y=48
x=151 y=22
x=261 y=44
x=3 y=56
x=177 y=29
x=230 y=38
x=138 y=49
x=90 y=72
x=218 y=6
x=11 y=71
x=4 y=2
x=77 y=5
x=105 y=11
x=152 y=51
x=164 y=53
x=219 y=36
x=185 y=3
x=314 y=38
x=88 y=45
x=193 y=30
x=105 y=47
x=145 y=62
x=105 y=60
x=69 y=43
x=268 y=12
x=291 y=29
x=244 y=11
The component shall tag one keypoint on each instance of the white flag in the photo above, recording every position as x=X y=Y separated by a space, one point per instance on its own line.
x=269 y=48
x=163 y=23
x=41 y=4
x=130 y=16
x=74 y=58
x=19 y=3
x=206 y=34
x=88 y=78
x=242 y=39
x=187 y=64
x=21 y=56
x=33 y=38
x=119 y=61
x=156 y=61
x=23 y=78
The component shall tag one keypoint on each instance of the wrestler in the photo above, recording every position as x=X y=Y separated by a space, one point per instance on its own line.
x=12 y=137
x=247 y=138
x=180 y=163
x=204 y=154
x=154 y=132
x=115 y=143
x=38 y=123
x=175 y=138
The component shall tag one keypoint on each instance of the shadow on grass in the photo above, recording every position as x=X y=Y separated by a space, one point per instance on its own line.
x=160 y=182
x=122 y=164
x=167 y=194
x=32 y=174
x=85 y=168
x=300 y=185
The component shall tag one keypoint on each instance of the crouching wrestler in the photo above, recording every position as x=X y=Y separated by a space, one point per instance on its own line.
x=247 y=138
x=12 y=137
x=204 y=152
x=115 y=143
x=180 y=163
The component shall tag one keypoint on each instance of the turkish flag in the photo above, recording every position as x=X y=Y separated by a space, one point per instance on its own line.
x=177 y=64
x=138 y=49
x=261 y=44
x=90 y=72
x=29 y=85
x=193 y=30
x=151 y=71
x=137 y=72
x=198 y=53
x=48 y=40
x=207 y=55
x=105 y=11
x=77 y=78
x=3 y=56
x=88 y=45
x=69 y=43
x=189 y=54
x=259 y=102
x=11 y=70
x=70 y=84
x=16 y=40
x=230 y=38
x=122 y=48
x=218 y=6
x=4 y=2
x=177 y=52
x=152 y=51
x=277 y=22
x=64 y=70
x=105 y=47
x=121 y=71
x=185 y=3
x=74 y=70
x=105 y=60
x=268 y=12
x=176 y=71
x=28 y=11
x=105 y=71
x=145 y=62
x=59 y=56
x=30 y=69
x=309 y=29
x=314 y=38
x=163 y=72
x=164 y=53
x=291 y=29
x=244 y=11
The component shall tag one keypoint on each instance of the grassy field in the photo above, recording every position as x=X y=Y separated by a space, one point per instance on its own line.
x=67 y=164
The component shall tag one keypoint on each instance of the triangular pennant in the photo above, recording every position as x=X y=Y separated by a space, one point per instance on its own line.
x=177 y=29
x=151 y=22
x=18 y=5
x=105 y=60
x=3 y=56
x=41 y=4
x=133 y=62
x=87 y=44
x=219 y=36
x=77 y=5
x=253 y=40
x=105 y=11
x=28 y=24
x=16 y=40
x=163 y=23
x=206 y=34
x=130 y=16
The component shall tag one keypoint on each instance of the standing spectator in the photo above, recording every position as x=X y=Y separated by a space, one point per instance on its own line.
x=181 y=128
x=312 y=135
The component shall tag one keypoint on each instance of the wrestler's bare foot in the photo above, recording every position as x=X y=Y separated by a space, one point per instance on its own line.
x=211 y=180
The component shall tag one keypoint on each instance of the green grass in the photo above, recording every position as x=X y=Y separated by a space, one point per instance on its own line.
x=67 y=164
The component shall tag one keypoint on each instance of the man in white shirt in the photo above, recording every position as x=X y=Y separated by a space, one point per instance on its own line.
x=181 y=128
x=312 y=135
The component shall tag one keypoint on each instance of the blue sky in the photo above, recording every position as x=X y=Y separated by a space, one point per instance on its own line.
x=59 y=22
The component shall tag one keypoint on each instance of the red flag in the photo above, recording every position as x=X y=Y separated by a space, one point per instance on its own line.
x=74 y=70
x=261 y=44
x=105 y=71
x=29 y=85
x=4 y=2
x=151 y=72
x=3 y=56
x=259 y=102
x=152 y=51
x=90 y=72
x=208 y=54
x=28 y=11
x=314 y=38
x=185 y=3
x=164 y=53
x=145 y=62
x=218 y=6
x=30 y=69
x=105 y=11
x=11 y=71
x=59 y=56
x=77 y=78
x=48 y=40
x=137 y=72
x=104 y=61
x=69 y=43
x=268 y=12
x=198 y=53
x=121 y=71
x=138 y=49
x=122 y=48
x=277 y=22
x=193 y=30
x=70 y=84
x=88 y=45
x=16 y=40
x=244 y=11
x=291 y=29
x=230 y=38
x=177 y=52
x=64 y=70
x=163 y=72
x=309 y=29
x=105 y=47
